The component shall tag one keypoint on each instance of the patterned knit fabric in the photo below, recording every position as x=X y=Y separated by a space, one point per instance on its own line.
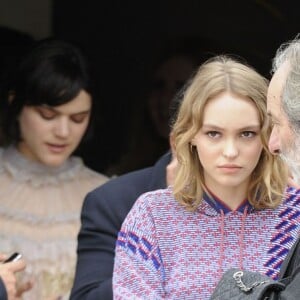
x=166 y=252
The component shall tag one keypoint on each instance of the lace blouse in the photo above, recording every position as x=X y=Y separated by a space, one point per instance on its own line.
x=40 y=218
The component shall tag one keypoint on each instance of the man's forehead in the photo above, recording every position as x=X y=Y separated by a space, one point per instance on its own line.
x=280 y=75
x=276 y=85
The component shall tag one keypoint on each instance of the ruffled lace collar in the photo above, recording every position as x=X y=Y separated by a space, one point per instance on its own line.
x=37 y=174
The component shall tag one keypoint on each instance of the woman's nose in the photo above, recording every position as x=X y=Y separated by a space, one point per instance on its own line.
x=62 y=128
x=230 y=149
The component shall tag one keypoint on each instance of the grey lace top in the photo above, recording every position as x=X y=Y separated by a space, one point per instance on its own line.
x=40 y=217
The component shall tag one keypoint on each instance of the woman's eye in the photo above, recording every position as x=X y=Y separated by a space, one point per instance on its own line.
x=213 y=134
x=248 y=134
x=79 y=118
x=46 y=114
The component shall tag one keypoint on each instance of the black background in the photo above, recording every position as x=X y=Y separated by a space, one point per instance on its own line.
x=121 y=37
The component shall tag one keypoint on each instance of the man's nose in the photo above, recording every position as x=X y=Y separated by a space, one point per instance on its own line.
x=274 y=142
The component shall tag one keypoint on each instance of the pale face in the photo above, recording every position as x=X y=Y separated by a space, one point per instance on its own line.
x=169 y=78
x=283 y=140
x=51 y=134
x=229 y=144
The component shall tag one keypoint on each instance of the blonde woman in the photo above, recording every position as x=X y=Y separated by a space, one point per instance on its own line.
x=226 y=207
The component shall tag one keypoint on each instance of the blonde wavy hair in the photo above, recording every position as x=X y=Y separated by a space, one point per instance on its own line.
x=217 y=75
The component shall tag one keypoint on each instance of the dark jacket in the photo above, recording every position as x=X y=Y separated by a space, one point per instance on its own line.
x=3 y=293
x=103 y=213
x=290 y=275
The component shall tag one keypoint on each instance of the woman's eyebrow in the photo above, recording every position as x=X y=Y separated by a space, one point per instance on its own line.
x=59 y=112
x=248 y=127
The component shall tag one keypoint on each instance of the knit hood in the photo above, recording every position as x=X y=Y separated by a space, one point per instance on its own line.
x=213 y=206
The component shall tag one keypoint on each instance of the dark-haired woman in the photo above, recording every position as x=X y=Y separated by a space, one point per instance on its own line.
x=43 y=185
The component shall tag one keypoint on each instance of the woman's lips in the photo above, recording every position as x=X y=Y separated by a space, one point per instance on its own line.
x=230 y=168
x=56 y=148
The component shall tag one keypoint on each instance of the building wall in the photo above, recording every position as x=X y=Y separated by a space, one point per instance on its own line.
x=30 y=16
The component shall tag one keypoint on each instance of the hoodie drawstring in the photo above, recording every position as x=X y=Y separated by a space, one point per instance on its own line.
x=222 y=254
x=241 y=240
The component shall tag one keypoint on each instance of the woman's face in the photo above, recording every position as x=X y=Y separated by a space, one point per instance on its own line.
x=50 y=134
x=228 y=144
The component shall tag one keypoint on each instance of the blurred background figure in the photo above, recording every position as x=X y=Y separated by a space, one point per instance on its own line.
x=48 y=114
x=148 y=136
x=13 y=46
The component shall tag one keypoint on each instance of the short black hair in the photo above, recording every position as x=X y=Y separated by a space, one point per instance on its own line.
x=52 y=73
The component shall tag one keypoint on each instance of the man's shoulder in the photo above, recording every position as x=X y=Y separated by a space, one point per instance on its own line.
x=139 y=181
x=127 y=181
x=125 y=189
x=121 y=191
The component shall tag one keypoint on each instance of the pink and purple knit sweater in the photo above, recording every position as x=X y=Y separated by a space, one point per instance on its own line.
x=166 y=252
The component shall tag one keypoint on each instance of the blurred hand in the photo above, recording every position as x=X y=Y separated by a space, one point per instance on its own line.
x=8 y=273
x=24 y=287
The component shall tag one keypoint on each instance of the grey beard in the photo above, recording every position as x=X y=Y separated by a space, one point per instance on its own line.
x=293 y=165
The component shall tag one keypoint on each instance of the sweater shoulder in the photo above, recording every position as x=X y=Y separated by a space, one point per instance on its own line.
x=292 y=198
